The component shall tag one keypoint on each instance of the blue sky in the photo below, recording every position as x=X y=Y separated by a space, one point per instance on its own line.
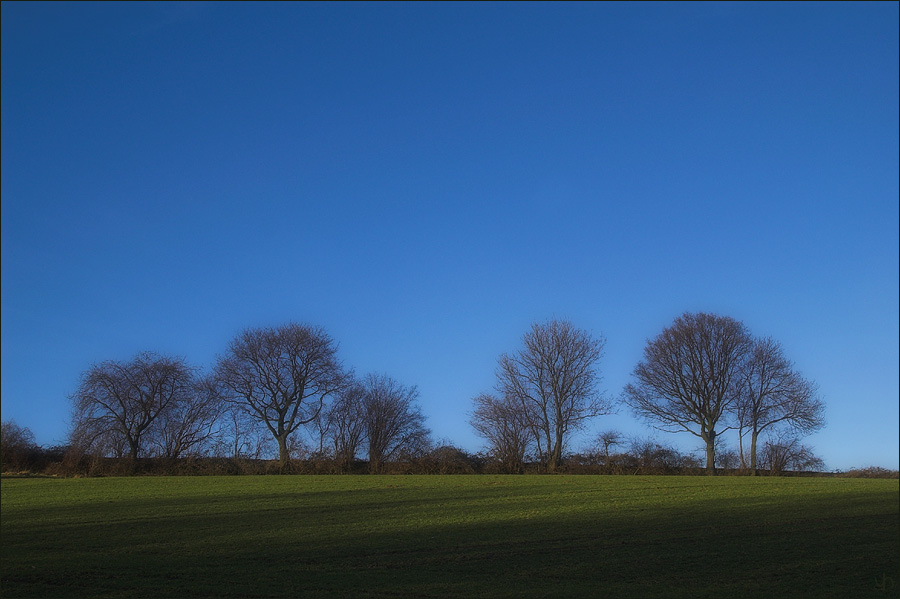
x=424 y=181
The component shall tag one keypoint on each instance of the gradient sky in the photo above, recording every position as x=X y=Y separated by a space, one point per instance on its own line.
x=426 y=180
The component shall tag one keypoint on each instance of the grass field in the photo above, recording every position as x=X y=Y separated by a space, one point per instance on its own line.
x=450 y=536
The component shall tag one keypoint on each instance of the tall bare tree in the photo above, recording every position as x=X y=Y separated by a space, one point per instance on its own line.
x=345 y=424
x=773 y=394
x=394 y=422
x=123 y=400
x=282 y=376
x=690 y=377
x=554 y=380
x=501 y=421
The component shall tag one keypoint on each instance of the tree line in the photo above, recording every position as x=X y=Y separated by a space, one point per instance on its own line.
x=283 y=389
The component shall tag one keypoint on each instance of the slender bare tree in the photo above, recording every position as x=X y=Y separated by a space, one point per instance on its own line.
x=345 y=424
x=501 y=421
x=282 y=376
x=124 y=399
x=394 y=423
x=690 y=377
x=774 y=393
x=607 y=439
x=554 y=381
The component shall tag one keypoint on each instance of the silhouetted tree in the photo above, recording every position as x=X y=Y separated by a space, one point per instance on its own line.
x=282 y=376
x=785 y=453
x=607 y=439
x=690 y=376
x=345 y=424
x=393 y=421
x=190 y=421
x=503 y=423
x=117 y=403
x=554 y=380
x=16 y=445
x=773 y=393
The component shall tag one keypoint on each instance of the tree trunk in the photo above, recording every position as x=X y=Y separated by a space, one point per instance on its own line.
x=553 y=462
x=753 y=470
x=133 y=448
x=284 y=456
x=374 y=462
x=711 y=456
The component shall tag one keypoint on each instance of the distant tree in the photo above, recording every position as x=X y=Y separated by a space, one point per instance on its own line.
x=690 y=377
x=282 y=376
x=554 y=381
x=118 y=403
x=393 y=422
x=345 y=424
x=239 y=435
x=16 y=444
x=773 y=393
x=607 y=439
x=504 y=425
x=190 y=421
x=785 y=453
x=649 y=456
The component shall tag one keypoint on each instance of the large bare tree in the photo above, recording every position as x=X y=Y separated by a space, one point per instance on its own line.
x=502 y=423
x=554 y=380
x=121 y=401
x=691 y=376
x=282 y=376
x=394 y=423
x=774 y=394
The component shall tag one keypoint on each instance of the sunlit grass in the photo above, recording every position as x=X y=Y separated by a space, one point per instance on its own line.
x=449 y=536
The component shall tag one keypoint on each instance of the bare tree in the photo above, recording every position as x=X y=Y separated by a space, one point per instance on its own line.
x=554 y=382
x=190 y=421
x=282 y=376
x=690 y=377
x=501 y=421
x=16 y=443
x=774 y=393
x=607 y=439
x=239 y=435
x=121 y=401
x=345 y=424
x=394 y=424
x=787 y=453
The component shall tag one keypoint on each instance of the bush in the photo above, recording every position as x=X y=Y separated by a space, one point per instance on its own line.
x=870 y=472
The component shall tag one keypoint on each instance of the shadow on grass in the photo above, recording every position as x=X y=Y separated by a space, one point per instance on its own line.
x=471 y=542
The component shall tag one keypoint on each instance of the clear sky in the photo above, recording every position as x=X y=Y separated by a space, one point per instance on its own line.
x=426 y=180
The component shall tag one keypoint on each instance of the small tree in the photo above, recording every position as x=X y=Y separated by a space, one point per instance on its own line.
x=16 y=445
x=607 y=439
x=394 y=423
x=504 y=425
x=554 y=382
x=189 y=422
x=784 y=453
x=345 y=423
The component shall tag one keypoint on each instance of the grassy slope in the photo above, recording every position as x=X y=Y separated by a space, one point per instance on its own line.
x=449 y=536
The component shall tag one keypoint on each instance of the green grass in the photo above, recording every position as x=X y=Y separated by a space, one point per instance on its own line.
x=450 y=536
